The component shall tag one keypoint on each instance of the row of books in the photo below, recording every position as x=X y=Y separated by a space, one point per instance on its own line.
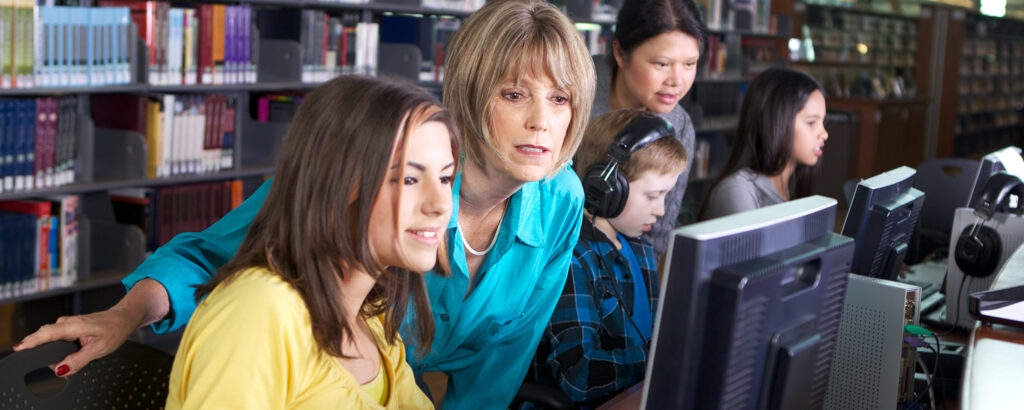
x=185 y=134
x=208 y=44
x=39 y=245
x=60 y=46
x=37 y=143
x=53 y=46
x=336 y=45
x=189 y=208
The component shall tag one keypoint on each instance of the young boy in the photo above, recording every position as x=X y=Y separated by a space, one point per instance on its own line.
x=596 y=343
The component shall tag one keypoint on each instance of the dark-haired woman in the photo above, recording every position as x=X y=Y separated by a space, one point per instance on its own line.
x=656 y=50
x=778 y=143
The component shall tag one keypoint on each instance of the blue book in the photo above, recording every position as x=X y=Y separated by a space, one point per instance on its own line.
x=54 y=250
x=48 y=49
x=8 y=120
x=18 y=145
x=25 y=151
x=88 y=19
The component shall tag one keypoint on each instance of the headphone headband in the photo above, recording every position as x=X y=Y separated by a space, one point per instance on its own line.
x=641 y=131
x=604 y=185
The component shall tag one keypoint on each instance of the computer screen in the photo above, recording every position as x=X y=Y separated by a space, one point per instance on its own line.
x=882 y=217
x=1007 y=159
x=749 y=310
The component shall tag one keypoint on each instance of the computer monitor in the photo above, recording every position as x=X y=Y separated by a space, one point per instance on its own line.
x=749 y=310
x=1007 y=159
x=881 y=219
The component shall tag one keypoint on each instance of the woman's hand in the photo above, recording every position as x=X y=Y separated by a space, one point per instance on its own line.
x=102 y=332
x=99 y=333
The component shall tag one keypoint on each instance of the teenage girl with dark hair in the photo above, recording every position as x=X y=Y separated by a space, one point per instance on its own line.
x=779 y=140
x=306 y=314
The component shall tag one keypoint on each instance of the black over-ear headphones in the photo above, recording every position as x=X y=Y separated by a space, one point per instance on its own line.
x=604 y=186
x=979 y=249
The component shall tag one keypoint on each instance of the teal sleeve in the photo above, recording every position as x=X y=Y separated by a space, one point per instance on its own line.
x=493 y=381
x=192 y=258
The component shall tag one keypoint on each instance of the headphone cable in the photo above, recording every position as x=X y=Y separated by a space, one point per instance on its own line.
x=615 y=287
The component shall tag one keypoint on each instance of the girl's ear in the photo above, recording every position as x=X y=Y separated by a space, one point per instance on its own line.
x=620 y=56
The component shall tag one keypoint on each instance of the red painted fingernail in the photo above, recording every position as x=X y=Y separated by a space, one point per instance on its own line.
x=62 y=370
x=17 y=345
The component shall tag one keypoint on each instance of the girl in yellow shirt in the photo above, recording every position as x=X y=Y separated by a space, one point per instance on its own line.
x=307 y=313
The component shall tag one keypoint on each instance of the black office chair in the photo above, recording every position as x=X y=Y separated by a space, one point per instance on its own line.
x=132 y=377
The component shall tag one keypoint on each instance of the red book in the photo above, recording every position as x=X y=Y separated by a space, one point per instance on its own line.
x=204 y=13
x=220 y=105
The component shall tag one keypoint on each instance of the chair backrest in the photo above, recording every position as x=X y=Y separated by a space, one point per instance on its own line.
x=132 y=377
x=947 y=182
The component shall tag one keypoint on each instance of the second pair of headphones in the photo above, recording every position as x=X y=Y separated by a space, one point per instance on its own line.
x=605 y=187
x=979 y=248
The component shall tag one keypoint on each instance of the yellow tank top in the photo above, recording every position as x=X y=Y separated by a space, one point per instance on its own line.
x=378 y=387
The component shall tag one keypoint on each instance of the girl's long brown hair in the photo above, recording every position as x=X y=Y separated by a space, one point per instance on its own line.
x=313 y=226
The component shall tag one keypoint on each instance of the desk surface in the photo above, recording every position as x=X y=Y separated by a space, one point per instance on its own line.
x=995 y=353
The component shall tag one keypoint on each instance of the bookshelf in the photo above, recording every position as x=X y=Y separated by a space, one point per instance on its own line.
x=990 y=93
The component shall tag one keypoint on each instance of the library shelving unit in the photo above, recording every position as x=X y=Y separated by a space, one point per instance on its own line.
x=110 y=161
x=990 y=93
x=977 y=71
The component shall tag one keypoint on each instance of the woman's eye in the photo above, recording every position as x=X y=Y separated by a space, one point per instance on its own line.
x=661 y=65
x=410 y=180
x=561 y=99
x=447 y=180
x=514 y=95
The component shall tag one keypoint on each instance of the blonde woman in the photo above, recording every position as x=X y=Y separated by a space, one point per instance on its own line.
x=519 y=83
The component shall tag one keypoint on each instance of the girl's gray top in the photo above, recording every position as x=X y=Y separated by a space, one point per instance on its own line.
x=659 y=233
x=742 y=191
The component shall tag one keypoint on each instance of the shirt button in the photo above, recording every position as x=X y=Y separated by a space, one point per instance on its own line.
x=444 y=317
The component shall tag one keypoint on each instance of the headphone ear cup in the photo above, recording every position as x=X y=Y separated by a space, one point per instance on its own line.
x=603 y=198
x=978 y=255
x=595 y=188
x=617 y=201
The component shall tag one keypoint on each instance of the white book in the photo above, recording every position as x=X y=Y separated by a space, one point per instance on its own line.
x=198 y=134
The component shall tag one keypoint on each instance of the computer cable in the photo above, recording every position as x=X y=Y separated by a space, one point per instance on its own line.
x=917 y=342
x=956 y=316
x=913 y=341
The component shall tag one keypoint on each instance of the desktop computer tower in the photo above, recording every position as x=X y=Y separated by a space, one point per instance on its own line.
x=1010 y=229
x=872 y=368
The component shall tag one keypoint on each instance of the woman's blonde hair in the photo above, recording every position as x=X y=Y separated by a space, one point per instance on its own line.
x=512 y=38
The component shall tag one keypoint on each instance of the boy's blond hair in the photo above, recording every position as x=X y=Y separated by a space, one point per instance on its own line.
x=515 y=38
x=665 y=155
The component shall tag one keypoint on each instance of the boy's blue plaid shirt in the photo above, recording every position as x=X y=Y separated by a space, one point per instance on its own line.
x=590 y=349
